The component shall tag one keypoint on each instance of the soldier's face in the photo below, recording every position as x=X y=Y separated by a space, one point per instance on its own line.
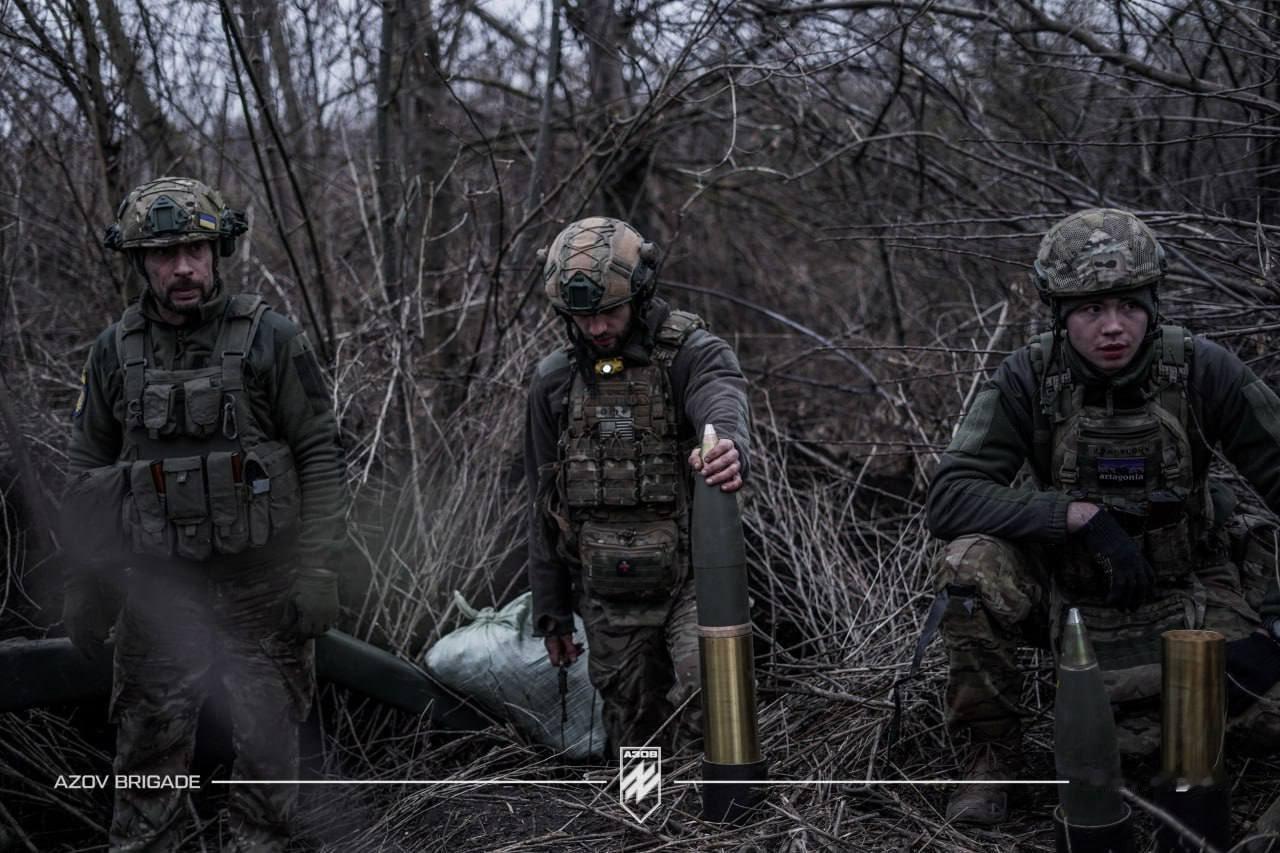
x=1108 y=332
x=606 y=330
x=181 y=275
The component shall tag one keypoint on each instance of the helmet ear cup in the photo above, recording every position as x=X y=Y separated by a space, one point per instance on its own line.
x=644 y=278
x=231 y=224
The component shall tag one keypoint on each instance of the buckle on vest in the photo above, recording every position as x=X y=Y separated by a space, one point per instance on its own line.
x=1069 y=472
x=230 y=428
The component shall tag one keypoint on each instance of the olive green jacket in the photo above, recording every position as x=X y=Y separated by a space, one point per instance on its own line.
x=286 y=392
x=707 y=386
x=1231 y=409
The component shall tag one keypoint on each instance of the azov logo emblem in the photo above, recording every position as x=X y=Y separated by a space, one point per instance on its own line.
x=640 y=780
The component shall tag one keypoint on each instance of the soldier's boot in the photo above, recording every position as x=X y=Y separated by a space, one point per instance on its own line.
x=984 y=799
x=247 y=837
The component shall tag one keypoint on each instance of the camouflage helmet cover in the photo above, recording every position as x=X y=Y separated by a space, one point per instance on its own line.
x=172 y=210
x=1095 y=251
x=597 y=263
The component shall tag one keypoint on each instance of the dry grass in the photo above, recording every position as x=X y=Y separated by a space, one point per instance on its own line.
x=840 y=560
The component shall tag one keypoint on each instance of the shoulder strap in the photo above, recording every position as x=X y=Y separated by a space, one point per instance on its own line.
x=131 y=349
x=1171 y=369
x=1052 y=377
x=672 y=334
x=1168 y=384
x=235 y=339
x=1176 y=345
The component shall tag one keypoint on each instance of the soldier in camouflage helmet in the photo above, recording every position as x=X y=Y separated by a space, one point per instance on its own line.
x=206 y=495
x=1116 y=417
x=611 y=418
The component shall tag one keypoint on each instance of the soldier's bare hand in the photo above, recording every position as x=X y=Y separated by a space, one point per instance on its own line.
x=561 y=649
x=720 y=467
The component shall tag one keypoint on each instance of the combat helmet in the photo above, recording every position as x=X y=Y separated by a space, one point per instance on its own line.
x=1097 y=251
x=596 y=264
x=172 y=210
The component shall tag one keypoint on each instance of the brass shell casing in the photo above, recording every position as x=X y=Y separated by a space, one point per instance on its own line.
x=1194 y=706
x=730 y=731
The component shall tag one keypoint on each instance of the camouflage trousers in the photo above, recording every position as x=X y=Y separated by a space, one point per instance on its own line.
x=646 y=673
x=173 y=633
x=1002 y=597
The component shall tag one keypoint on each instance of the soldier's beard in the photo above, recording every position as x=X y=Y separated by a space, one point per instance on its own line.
x=619 y=342
x=190 y=309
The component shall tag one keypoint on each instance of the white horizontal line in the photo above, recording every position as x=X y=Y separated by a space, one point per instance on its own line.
x=538 y=782
x=867 y=782
x=411 y=782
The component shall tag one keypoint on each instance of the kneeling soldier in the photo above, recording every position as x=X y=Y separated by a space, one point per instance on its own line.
x=1118 y=418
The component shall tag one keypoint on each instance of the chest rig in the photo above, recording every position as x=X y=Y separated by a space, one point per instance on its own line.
x=620 y=479
x=204 y=479
x=1137 y=461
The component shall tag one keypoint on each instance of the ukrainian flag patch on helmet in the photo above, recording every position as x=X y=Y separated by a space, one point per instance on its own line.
x=207 y=221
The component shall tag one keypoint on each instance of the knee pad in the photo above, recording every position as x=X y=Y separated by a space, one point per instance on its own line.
x=992 y=573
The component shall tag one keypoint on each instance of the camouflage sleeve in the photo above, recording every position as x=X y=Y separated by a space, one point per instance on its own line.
x=303 y=415
x=549 y=579
x=970 y=492
x=96 y=433
x=706 y=376
x=1245 y=421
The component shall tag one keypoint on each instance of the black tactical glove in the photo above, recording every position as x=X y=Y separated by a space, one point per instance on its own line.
x=88 y=611
x=1253 y=668
x=312 y=606
x=1130 y=578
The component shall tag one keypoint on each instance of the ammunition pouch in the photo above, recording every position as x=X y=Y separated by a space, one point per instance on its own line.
x=630 y=561
x=1170 y=549
x=92 y=528
x=194 y=507
x=620 y=473
x=658 y=471
x=581 y=474
x=275 y=496
x=1255 y=544
x=1127 y=642
x=177 y=404
x=1171 y=552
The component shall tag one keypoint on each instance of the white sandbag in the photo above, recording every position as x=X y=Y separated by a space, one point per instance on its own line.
x=497 y=661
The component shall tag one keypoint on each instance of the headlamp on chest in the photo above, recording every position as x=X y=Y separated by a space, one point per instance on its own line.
x=608 y=366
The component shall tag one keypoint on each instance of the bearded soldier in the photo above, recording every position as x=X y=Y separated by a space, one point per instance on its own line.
x=205 y=450
x=610 y=419
x=1118 y=419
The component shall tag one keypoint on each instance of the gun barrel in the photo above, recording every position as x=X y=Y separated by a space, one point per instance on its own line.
x=36 y=673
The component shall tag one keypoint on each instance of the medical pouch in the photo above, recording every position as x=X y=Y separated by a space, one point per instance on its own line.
x=629 y=560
